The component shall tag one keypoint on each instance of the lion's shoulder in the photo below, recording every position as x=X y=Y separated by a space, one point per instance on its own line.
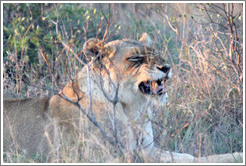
x=35 y=104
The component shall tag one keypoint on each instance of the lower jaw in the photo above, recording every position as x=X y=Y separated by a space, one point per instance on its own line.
x=159 y=100
x=163 y=98
x=154 y=94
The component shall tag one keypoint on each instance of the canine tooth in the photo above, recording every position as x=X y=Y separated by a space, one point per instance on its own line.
x=154 y=85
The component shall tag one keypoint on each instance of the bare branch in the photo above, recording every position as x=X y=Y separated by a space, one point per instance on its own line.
x=91 y=119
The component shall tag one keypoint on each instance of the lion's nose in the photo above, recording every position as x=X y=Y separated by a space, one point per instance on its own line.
x=164 y=68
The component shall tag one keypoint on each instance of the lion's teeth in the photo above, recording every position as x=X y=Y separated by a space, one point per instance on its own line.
x=154 y=85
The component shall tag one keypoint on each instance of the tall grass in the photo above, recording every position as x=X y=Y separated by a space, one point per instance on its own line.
x=202 y=42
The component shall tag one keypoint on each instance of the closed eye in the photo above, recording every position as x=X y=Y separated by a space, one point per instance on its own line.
x=135 y=59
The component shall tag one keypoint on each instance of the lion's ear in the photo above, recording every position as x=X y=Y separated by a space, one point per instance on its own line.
x=91 y=48
x=145 y=38
x=110 y=50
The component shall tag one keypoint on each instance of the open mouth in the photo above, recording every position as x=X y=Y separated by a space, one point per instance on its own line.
x=153 y=87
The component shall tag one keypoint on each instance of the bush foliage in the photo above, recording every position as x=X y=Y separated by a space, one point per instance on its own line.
x=202 y=42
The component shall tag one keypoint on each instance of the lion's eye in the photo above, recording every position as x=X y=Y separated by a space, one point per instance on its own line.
x=136 y=59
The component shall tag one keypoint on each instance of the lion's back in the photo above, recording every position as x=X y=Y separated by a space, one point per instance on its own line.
x=24 y=125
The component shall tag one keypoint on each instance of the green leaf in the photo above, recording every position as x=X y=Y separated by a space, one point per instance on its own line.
x=94 y=12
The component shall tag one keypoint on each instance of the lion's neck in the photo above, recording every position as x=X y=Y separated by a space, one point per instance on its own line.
x=90 y=85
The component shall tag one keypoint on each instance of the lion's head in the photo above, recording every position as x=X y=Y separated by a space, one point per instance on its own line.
x=140 y=71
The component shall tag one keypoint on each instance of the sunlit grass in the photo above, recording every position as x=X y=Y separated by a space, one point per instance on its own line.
x=204 y=115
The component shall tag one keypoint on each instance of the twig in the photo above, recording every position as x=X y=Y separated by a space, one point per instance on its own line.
x=180 y=129
x=92 y=119
x=89 y=86
x=108 y=23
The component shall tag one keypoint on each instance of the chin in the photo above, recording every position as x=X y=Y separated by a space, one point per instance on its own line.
x=163 y=99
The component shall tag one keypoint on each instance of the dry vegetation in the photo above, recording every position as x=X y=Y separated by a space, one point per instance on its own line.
x=202 y=42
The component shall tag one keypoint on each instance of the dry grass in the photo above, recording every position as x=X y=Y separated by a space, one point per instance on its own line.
x=204 y=115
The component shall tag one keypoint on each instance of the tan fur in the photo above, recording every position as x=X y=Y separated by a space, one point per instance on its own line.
x=43 y=126
x=24 y=124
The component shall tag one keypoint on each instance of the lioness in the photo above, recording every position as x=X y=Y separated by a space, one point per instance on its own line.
x=102 y=114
